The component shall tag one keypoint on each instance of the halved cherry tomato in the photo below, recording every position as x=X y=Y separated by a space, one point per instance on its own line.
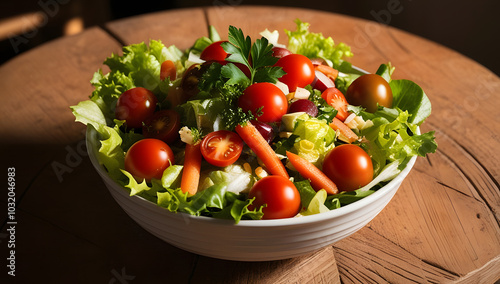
x=221 y=148
x=163 y=125
x=214 y=52
x=280 y=195
x=299 y=71
x=135 y=105
x=336 y=99
x=168 y=70
x=148 y=158
x=264 y=100
x=348 y=166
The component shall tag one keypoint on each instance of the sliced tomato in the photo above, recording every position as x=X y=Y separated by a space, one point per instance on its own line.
x=336 y=99
x=221 y=148
x=163 y=125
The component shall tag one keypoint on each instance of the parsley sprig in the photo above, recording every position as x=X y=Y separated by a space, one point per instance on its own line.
x=225 y=83
x=257 y=57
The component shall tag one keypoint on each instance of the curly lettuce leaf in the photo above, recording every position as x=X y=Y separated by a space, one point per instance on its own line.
x=393 y=138
x=142 y=62
x=315 y=45
x=346 y=197
x=214 y=201
x=88 y=112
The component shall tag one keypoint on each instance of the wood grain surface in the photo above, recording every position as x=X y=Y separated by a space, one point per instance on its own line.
x=442 y=226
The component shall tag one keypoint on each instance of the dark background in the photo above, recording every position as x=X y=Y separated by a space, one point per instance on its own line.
x=469 y=27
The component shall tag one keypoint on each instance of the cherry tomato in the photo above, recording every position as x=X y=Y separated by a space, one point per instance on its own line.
x=266 y=101
x=368 y=90
x=135 y=105
x=163 y=125
x=336 y=99
x=221 y=148
x=299 y=71
x=348 y=166
x=279 y=194
x=214 y=52
x=148 y=158
x=168 y=70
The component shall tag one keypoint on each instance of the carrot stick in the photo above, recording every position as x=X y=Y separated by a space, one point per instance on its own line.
x=328 y=71
x=252 y=137
x=192 y=168
x=309 y=171
x=346 y=134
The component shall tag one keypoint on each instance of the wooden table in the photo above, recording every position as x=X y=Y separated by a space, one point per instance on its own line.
x=442 y=225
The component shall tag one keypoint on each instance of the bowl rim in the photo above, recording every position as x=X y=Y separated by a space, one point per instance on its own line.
x=308 y=219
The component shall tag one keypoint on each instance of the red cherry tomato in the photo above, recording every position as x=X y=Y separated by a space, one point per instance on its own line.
x=168 y=70
x=336 y=99
x=135 y=105
x=214 y=52
x=221 y=148
x=348 y=166
x=148 y=158
x=279 y=194
x=266 y=101
x=299 y=71
x=163 y=125
x=368 y=91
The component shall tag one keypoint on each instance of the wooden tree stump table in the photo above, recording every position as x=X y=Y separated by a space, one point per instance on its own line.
x=442 y=226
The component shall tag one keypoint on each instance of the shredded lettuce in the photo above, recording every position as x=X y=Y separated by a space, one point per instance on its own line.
x=311 y=139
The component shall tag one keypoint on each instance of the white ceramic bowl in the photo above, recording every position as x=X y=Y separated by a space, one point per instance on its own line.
x=249 y=240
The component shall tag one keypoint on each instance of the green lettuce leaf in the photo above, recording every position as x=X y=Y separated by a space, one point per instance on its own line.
x=346 y=197
x=410 y=97
x=88 y=112
x=393 y=138
x=315 y=45
x=142 y=62
x=313 y=139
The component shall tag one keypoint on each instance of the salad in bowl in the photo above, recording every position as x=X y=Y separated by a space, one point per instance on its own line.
x=246 y=129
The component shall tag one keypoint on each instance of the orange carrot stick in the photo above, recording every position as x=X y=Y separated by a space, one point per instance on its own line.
x=328 y=71
x=262 y=149
x=192 y=168
x=309 y=171
x=346 y=134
